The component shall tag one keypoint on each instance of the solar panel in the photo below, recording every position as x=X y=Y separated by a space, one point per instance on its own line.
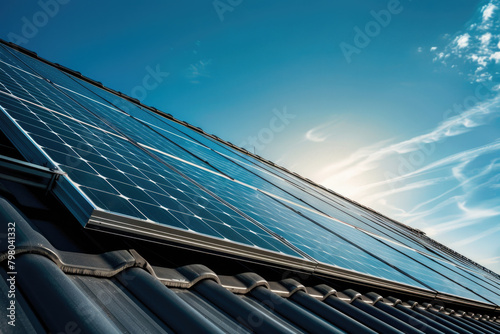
x=285 y=186
x=134 y=171
x=259 y=177
x=118 y=175
x=304 y=234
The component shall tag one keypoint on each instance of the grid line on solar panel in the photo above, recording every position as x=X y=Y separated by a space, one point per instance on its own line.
x=479 y=279
x=446 y=270
x=56 y=114
x=41 y=98
x=49 y=116
x=453 y=273
x=456 y=273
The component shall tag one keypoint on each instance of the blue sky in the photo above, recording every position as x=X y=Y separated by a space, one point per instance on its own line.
x=392 y=103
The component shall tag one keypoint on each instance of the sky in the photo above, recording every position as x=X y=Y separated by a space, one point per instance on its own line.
x=394 y=104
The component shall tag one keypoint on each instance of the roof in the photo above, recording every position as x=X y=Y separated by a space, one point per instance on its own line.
x=61 y=276
x=79 y=284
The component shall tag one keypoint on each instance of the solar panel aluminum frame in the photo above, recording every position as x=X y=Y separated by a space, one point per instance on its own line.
x=464 y=301
x=140 y=229
x=349 y=275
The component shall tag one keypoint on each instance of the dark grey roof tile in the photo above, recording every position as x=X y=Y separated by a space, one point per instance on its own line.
x=412 y=321
x=27 y=239
x=292 y=286
x=164 y=303
x=360 y=315
x=223 y=321
x=330 y=314
x=464 y=329
x=293 y=313
x=252 y=280
x=56 y=299
x=428 y=322
x=385 y=317
x=265 y=311
x=122 y=308
x=244 y=313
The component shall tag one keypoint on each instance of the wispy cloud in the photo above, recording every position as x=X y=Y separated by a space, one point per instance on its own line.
x=368 y=158
x=480 y=235
x=457 y=162
x=480 y=180
x=199 y=69
x=478 y=46
x=319 y=133
x=396 y=190
x=491 y=260
x=466 y=217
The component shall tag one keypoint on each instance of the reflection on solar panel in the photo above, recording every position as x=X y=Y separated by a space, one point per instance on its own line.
x=136 y=171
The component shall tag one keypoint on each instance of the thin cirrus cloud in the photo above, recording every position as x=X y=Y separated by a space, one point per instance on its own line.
x=467 y=216
x=457 y=162
x=368 y=158
x=491 y=260
x=480 y=235
x=456 y=206
x=197 y=70
x=460 y=175
x=396 y=190
x=482 y=178
x=319 y=133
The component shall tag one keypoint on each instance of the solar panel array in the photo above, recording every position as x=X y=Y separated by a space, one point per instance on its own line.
x=136 y=171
